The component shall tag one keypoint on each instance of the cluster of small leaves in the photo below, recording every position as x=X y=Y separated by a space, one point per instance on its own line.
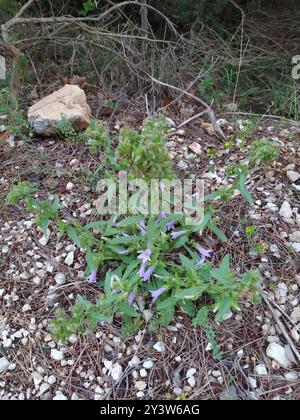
x=97 y=136
x=18 y=192
x=143 y=153
x=88 y=7
x=264 y=150
x=16 y=123
x=66 y=130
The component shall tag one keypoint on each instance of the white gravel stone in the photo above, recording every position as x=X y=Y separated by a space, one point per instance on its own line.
x=143 y=373
x=60 y=279
x=26 y=308
x=51 y=380
x=140 y=394
x=45 y=238
x=190 y=372
x=192 y=381
x=73 y=339
x=148 y=364
x=4 y=364
x=140 y=385
x=286 y=211
x=295 y=335
x=293 y=176
x=135 y=361
x=291 y=376
x=296 y=246
x=57 y=355
x=60 y=397
x=182 y=165
x=277 y=352
x=272 y=207
x=70 y=259
x=252 y=382
x=261 y=370
x=107 y=363
x=159 y=346
x=295 y=236
x=70 y=186
x=282 y=289
x=43 y=388
x=295 y=316
x=116 y=372
x=177 y=391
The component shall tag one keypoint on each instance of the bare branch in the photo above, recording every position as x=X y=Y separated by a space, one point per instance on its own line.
x=208 y=110
x=24 y=8
x=15 y=21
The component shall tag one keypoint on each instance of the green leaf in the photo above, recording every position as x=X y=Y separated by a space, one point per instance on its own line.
x=188 y=307
x=73 y=235
x=218 y=232
x=132 y=220
x=243 y=189
x=211 y=196
x=132 y=266
x=202 y=316
x=201 y=226
x=181 y=241
x=169 y=302
x=124 y=239
x=191 y=293
x=95 y=225
x=186 y=262
x=224 y=306
x=127 y=310
x=223 y=273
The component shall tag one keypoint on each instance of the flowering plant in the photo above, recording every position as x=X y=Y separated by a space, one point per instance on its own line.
x=152 y=267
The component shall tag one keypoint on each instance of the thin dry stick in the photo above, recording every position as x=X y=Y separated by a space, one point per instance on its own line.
x=194 y=117
x=282 y=328
x=208 y=110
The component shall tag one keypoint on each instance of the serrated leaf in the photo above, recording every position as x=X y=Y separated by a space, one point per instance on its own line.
x=224 y=306
x=186 y=262
x=128 y=310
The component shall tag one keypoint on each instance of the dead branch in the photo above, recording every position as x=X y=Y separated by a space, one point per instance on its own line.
x=81 y=22
x=207 y=108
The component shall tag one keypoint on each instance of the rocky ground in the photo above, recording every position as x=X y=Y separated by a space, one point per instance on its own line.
x=261 y=344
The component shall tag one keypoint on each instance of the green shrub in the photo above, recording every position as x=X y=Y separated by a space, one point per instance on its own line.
x=97 y=136
x=143 y=153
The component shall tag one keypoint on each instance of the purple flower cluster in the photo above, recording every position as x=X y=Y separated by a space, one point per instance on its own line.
x=205 y=254
x=92 y=279
x=145 y=257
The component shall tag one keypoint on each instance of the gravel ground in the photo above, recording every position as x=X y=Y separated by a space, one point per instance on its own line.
x=261 y=344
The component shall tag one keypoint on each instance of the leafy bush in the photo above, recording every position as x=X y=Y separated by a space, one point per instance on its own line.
x=97 y=136
x=143 y=153
x=264 y=151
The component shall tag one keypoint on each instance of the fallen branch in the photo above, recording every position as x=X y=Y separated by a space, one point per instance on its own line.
x=207 y=108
